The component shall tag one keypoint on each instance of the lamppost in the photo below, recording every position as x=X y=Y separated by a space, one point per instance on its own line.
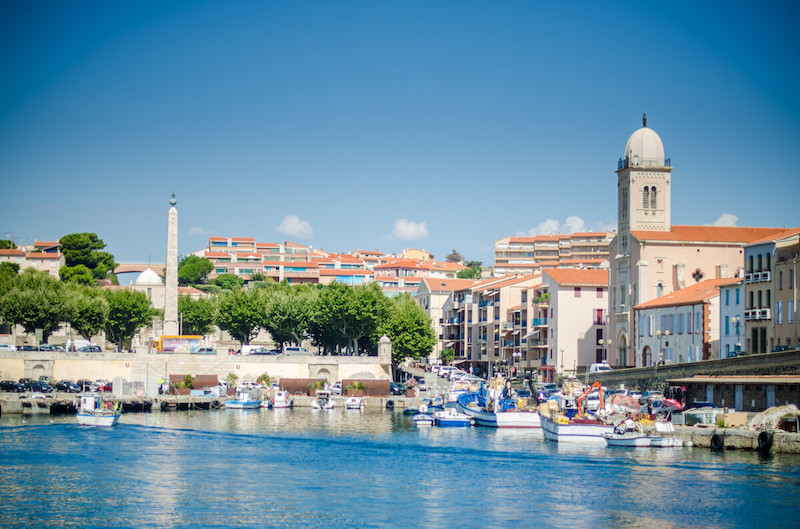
x=605 y=344
x=661 y=335
x=736 y=321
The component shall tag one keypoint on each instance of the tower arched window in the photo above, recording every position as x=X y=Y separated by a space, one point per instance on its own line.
x=646 y=197
x=659 y=290
x=653 y=197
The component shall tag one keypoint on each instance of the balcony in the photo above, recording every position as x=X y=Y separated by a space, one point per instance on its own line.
x=758 y=277
x=508 y=326
x=757 y=314
x=624 y=163
x=538 y=342
x=539 y=322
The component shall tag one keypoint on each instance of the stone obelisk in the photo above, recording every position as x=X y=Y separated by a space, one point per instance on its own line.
x=171 y=272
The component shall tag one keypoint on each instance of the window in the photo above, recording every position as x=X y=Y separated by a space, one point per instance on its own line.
x=653 y=201
x=646 y=197
x=650 y=325
x=599 y=317
x=577 y=292
x=599 y=293
x=769 y=262
x=790 y=311
x=779 y=312
x=791 y=277
x=659 y=290
x=663 y=323
x=622 y=295
x=727 y=325
x=780 y=279
x=698 y=322
x=760 y=262
x=737 y=295
x=750 y=263
x=727 y=297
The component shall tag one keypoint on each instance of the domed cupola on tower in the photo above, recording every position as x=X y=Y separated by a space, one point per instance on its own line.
x=644 y=176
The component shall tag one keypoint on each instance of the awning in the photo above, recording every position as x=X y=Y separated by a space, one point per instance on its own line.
x=456 y=362
x=516 y=332
x=533 y=332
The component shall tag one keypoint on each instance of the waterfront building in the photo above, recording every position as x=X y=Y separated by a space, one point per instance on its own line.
x=432 y=294
x=528 y=255
x=650 y=257
x=771 y=272
x=682 y=326
x=731 y=318
x=567 y=329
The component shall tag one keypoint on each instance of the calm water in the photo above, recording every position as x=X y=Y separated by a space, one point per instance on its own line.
x=300 y=468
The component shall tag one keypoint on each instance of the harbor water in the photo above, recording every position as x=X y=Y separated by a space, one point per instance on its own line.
x=305 y=468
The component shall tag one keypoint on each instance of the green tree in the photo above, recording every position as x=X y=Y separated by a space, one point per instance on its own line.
x=290 y=313
x=241 y=313
x=194 y=270
x=9 y=273
x=36 y=301
x=128 y=311
x=86 y=249
x=409 y=327
x=448 y=355
x=197 y=315
x=473 y=271
x=77 y=274
x=228 y=281
x=88 y=310
x=347 y=315
x=5 y=244
x=258 y=276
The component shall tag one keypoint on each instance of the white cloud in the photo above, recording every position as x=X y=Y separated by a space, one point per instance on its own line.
x=406 y=230
x=292 y=226
x=572 y=224
x=726 y=219
x=195 y=230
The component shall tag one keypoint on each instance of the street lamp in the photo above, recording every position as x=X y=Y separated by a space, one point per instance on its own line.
x=736 y=321
x=604 y=344
x=661 y=335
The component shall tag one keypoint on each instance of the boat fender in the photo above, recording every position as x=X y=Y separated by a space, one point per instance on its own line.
x=164 y=405
x=717 y=442
x=215 y=404
x=764 y=442
x=389 y=404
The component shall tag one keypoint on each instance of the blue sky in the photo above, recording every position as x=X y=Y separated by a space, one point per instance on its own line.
x=386 y=125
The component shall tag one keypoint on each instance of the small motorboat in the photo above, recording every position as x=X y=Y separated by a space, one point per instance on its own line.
x=246 y=399
x=354 y=403
x=450 y=418
x=423 y=418
x=95 y=412
x=323 y=400
x=628 y=434
x=282 y=399
x=666 y=437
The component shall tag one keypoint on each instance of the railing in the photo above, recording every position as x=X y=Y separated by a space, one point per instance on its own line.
x=538 y=342
x=540 y=322
x=757 y=314
x=644 y=162
x=508 y=326
x=756 y=277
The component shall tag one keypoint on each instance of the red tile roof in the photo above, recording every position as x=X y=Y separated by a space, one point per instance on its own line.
x=699 y=292
x=722 y=234
x=19 y=253
x=436 y=284
x=579 y=277
x=777 y=236
x=43 y=255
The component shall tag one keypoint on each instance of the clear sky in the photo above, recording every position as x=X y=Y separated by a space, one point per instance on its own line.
x=387 y=125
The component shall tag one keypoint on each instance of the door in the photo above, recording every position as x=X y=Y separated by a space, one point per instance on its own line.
x=709 y=393
x=770 y=396
x=738 y=397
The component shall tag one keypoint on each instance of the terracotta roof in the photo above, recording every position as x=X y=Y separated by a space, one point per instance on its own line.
x=777 y=236
x=46 y=244
x=579 y=277
x=43 y=255
x=507 y=281
x=223 y=239
x=19 y=253
x=135 y=267
x=345 y=272
x=699 y=292
x=721 y=234
x=243 y=239
x=436 y=284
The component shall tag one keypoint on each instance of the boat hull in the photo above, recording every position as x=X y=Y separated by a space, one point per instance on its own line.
x=98 y=419
x=506 y=419
x=666 y=442
x=574 y=432
x=628 y=440
x=242 y=405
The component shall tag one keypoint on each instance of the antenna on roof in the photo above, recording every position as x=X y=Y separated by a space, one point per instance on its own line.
x=644 y=119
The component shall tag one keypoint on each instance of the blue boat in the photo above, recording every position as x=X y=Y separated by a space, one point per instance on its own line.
x=451 y=418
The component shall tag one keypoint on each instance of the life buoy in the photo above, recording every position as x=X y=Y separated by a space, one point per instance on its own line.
x=764 y=442
x=717 y=442
x=164 y=405
x=389 y=404
x=215 y=404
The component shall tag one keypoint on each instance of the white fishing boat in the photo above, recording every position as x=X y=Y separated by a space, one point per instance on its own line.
x=323 y=400
x=95 y=412
x=628 y=434
x=666 y=437
x=562 y=430
x=246 y=399
x=282 y=399
x=354 y=403
x=450 y=418
x=498 y=415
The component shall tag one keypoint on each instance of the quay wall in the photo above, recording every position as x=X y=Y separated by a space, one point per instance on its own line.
x=148 y=368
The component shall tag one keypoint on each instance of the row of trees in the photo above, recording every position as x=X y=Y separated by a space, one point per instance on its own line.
x=37 y=301
x=334 y=317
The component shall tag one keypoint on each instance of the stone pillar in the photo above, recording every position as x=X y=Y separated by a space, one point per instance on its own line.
x=171 y=273
x=385 y=350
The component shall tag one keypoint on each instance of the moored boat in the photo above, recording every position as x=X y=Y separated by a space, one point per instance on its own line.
x=666 y=437
x=95 y=412
x=246 y=399
x=354 y=403
x=282 y=399
x=451 y=418
x=323 y=400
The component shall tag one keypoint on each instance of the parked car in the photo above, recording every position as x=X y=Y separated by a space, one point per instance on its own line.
x=7 y=347
x=779 y=348
x=102 y=385
x=523 y=393
x=599 y=368
x=11 y=385
x=695 y=405
x=38 y=387
x=650 y=395
x=206 y=351
x=90 y=349
x=86 y=385
x=397 y=389
x=68 y=386
x=27 y=348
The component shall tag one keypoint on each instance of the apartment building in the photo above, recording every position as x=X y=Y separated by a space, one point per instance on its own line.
x=682 y=326
x=432 y=294
x=527 y=255
x=44 y=256
x=731 y=318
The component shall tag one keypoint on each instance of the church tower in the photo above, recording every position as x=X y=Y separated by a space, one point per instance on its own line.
x=643 y=195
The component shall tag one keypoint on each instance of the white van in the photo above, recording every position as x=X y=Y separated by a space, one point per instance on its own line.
x=294 y=350
x=599 y=368
x=75 y=345
x=445 y=370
